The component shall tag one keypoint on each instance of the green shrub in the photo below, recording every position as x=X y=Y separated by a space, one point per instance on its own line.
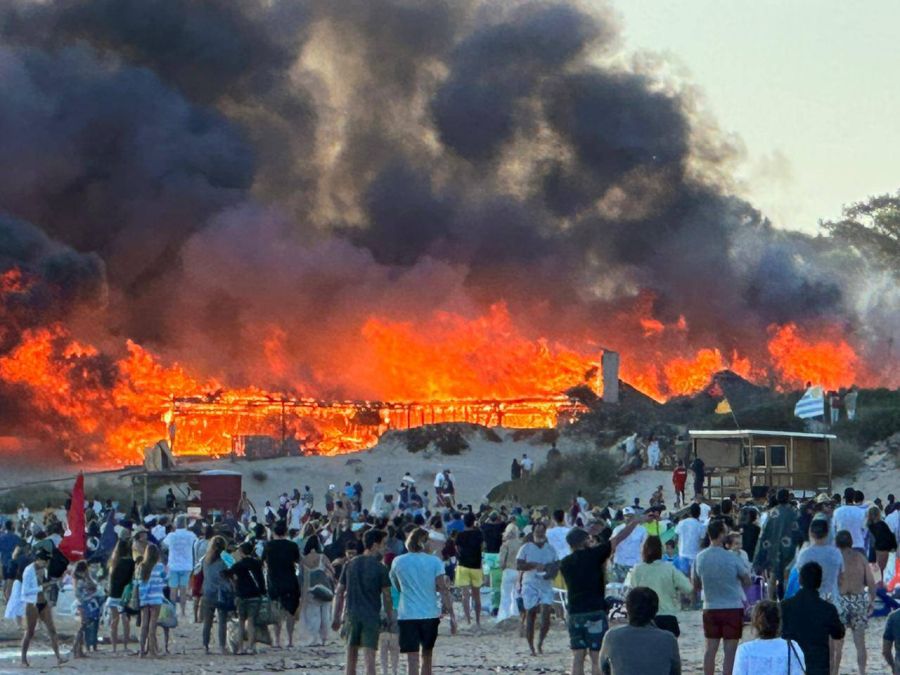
x=846 y=457
x=35 y=497
x=872 y=425
x=556 y=483
x=449 y=439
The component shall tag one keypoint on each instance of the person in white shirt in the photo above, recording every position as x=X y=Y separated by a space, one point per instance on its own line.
x=37 y=605
x=420 y=579
x=852 y=517
x=628 y=551
x=534 y=561
x=653 y=453
x=527 y=465
x=295 y=514
x=157 y=527
x=690 y=532
x=440 y=482
x=556 y=535
x=180 y=546
x=705 y=510
x=893 y=521
x=769 y=653
x=583 y=504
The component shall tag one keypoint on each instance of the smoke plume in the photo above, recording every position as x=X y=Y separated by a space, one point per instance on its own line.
x=241 y=186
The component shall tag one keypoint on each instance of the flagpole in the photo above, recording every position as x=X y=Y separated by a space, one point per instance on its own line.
x=737 y=425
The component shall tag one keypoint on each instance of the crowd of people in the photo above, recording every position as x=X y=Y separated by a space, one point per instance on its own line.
x=384 y=572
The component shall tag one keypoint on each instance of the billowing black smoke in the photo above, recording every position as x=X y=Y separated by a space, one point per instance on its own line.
x=237 y=165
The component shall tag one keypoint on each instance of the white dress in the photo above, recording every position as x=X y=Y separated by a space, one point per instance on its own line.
x=769 y=657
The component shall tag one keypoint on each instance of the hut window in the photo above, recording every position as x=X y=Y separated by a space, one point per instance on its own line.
x=759 y=455
x=778 y=455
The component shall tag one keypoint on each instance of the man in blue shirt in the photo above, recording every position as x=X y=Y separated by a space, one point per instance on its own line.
x=456 y=523
x=419 y=576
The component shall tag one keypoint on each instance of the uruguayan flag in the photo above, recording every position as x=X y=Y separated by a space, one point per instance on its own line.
x=811 y=404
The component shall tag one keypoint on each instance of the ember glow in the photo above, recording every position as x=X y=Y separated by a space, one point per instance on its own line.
x=446 y=368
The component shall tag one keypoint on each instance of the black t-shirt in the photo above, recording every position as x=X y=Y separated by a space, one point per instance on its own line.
x=249 y=581
x=493 y=536
x=281 y=557
x=120 y=577
x=883 y=537
x=699 y=469
x=749 y=537
x=468 y=543
x=585 y=578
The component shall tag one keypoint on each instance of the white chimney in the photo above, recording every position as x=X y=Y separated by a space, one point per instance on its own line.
x=609 y=366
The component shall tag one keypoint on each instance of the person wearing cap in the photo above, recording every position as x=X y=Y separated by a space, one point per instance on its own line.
x=37 y=604
x=627 y=552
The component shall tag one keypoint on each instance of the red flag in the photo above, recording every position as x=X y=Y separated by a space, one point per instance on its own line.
x=73 y=544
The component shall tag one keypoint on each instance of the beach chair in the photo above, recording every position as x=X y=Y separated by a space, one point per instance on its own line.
x=615 y=600
x=561 y=597
x=756 y=591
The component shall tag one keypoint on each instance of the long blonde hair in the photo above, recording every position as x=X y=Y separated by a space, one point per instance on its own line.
x=151 y=557
x=873 y=515
x=122 y=551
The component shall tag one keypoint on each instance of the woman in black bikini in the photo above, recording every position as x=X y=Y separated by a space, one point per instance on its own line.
x=34 y=580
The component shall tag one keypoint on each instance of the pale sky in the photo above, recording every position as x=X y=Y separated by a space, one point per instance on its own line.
x=810 y=86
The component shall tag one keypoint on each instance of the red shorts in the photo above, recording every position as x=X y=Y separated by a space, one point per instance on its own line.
x=197 y=584
x=724 y=624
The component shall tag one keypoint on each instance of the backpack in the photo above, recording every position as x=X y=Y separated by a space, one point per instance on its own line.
x=321 y=586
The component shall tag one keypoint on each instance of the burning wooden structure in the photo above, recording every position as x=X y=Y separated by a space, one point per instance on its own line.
x=260 y=426
x=750 y=461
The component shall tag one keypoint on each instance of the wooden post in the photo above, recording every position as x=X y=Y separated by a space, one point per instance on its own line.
x=283 y=429
x=790 y=462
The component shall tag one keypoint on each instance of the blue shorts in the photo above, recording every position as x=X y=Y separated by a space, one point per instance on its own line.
x=586 y=630
x=179 y=579
x=684 y=565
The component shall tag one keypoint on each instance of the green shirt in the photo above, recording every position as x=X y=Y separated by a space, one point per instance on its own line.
x=667 y=581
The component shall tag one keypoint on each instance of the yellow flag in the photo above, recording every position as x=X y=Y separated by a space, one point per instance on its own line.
x=724 y=407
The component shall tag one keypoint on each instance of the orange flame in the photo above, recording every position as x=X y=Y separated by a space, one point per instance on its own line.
x=446 y=367
x=830 y=361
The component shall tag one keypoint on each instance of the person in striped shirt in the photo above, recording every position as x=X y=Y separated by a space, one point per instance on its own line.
x=151 y=584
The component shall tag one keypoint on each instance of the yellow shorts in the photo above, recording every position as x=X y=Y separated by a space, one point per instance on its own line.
x=466 y=576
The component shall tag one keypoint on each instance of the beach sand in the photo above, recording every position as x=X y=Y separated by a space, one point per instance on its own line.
x=492 y=650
